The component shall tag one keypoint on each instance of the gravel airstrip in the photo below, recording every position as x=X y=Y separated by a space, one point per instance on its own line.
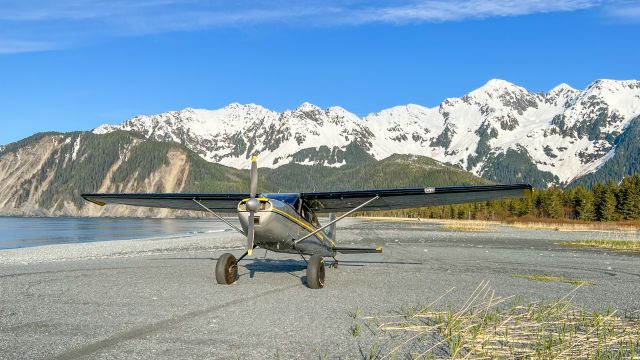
x=158 y=298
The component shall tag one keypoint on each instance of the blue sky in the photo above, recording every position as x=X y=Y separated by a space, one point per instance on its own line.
x=72 y=64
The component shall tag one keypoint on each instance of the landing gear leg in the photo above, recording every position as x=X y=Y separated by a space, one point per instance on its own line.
x=334 y=264
x=245 y=254
x=315 y=272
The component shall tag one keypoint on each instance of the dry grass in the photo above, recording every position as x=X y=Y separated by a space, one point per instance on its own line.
x=534 y=223
x=464 y=226
x=574 y=225
x=552 y=278
x=617 y=245
x=485 y=327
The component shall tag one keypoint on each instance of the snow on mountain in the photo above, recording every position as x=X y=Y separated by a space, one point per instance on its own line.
x=564 y=132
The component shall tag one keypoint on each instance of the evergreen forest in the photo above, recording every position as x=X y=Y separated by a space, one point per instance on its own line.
x=608 y=201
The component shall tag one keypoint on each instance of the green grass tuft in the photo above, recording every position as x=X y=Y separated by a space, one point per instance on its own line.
x=489 y=326
x=617 y=245
x=552 y=278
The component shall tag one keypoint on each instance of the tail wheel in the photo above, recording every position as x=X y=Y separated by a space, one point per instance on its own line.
x=226 y=269
x=315 y=272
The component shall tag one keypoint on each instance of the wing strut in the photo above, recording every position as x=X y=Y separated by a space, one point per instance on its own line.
x=219 y=217
x=338 y=219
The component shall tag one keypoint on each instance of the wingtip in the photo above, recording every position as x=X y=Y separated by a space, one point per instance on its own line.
x=99 y=203
x=529 y=191
x=379 y=249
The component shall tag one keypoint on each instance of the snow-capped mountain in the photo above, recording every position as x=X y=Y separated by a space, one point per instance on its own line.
x=500 y=131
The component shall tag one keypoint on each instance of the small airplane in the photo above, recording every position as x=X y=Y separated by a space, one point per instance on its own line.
x=288 y=223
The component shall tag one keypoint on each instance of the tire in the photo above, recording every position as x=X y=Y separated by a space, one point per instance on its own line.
x=226 y=269
x=315 y=272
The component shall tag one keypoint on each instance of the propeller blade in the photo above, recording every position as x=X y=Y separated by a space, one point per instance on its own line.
x=254 y=176
x=250 y=234
x=253 y=204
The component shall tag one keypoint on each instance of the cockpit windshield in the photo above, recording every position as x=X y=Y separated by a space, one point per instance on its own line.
x=287 y=198
x=294 y=200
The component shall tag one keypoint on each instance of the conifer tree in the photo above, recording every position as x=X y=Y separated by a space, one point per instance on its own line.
x=608 y=204
x=551 y=203
x=629 y=199
x=583 y=202
x=599 y=192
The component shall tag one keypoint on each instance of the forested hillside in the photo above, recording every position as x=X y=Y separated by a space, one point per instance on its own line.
x=396 y=171
x=603 y=202
x=45 y=174
x=625 y=161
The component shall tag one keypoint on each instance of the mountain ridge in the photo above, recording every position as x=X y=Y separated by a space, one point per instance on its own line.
x=559 y=135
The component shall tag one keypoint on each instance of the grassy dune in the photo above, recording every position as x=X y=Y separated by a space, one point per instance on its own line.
x=493 y=327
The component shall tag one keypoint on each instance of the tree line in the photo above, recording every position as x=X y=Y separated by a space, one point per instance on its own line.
x=608 y=201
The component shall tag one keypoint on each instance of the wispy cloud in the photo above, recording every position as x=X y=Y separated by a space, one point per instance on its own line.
x=50 y=22
x=625 y=11
x=17 y=46
x=440 y=11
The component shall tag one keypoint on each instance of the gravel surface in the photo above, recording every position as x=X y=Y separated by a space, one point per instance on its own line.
x=159 y=299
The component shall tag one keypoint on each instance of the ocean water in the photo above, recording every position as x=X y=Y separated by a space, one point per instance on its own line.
x=18 y=232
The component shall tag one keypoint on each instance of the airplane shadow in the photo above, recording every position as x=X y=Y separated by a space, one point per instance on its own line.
x=361 y=263
x=287 y=266
x=284 y=265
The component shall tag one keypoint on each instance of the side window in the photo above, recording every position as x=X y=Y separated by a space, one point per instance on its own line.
x=306 y=213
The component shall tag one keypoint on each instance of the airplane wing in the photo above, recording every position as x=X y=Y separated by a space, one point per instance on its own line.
x=338 y=201
x=215 y=202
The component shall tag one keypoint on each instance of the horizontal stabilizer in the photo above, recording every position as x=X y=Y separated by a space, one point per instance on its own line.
x=351 y=250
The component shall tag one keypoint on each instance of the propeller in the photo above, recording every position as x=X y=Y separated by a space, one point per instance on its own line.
x=253 y=204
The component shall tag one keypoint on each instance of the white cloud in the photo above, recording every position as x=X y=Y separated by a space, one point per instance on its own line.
x=440 y=11
x=18 y=46
x=82 y=21
x=625 y=11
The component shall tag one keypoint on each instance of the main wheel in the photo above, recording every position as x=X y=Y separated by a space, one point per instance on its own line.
x=226 y=269
x=315 y=272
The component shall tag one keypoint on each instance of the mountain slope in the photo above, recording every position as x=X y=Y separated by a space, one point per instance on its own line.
x=396 y=171
x=623 y=160
x=45 y=174
x=500 y=131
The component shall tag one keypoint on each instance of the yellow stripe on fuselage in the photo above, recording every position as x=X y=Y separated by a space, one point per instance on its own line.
x=298 y=221
x=301 y=223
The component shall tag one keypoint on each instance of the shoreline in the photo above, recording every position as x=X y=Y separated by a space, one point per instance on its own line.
x=624 y=225
x=23 y=232
x=119 y=248
x=211 y=241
